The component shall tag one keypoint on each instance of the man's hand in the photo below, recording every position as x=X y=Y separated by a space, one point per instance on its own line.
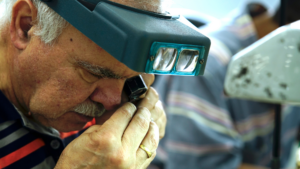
x=115 y=144
x=151 y=102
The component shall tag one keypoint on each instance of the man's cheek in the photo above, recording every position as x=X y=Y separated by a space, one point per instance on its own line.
x=58 y=97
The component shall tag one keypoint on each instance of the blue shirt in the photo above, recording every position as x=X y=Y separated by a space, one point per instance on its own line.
x=25 y=143
x=206 y=129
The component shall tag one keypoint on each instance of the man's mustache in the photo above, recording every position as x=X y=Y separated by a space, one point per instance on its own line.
x=90 y=108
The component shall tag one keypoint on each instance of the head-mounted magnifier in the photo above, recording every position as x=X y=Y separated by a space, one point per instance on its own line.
x=144 y=41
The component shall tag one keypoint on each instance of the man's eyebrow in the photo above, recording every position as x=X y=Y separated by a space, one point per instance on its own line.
x=99 y=71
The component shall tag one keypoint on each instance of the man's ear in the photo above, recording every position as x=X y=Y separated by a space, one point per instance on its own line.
x=23 y=15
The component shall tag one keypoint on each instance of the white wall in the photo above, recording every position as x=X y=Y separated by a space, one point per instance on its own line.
x=219 y=8
x=1 y=9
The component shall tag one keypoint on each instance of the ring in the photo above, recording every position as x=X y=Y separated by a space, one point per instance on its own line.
x=146 y=150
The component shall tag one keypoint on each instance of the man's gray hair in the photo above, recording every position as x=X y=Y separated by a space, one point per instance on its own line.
x=49 y=25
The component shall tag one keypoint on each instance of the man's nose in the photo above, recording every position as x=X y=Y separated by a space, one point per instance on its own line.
x=108 y=92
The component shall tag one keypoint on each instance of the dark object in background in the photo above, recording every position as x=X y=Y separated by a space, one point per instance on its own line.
x=196 y=23
x=256 y=9
x=292 y=13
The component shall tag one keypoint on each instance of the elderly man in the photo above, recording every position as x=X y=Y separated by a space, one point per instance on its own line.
x=53 y=78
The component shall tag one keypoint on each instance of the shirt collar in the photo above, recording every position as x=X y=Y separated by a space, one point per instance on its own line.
x=11 y=113
x=8 y=112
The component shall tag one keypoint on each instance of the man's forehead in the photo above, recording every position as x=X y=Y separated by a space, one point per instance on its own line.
x=149 y=5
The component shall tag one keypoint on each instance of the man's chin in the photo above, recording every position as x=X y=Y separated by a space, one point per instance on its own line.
x=70 y=127
x=71 y=121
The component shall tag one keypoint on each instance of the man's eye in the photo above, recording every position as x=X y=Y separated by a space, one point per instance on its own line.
x=95 y=75
x=88 y=76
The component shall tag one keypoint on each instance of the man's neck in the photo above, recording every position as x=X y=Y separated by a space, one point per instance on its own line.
x=264 y=25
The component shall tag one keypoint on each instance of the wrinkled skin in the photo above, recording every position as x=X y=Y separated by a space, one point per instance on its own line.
x=46 y=82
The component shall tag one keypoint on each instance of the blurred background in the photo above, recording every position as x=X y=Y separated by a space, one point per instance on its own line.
x=215 y=9
x=219 y=8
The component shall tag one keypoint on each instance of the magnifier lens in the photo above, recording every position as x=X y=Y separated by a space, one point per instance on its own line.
x=165 y=59
x=187 y=61
x=135 y=87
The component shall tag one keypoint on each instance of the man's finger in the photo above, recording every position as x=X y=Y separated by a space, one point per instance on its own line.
x=158 y=111
x=148 y=79
x=137 y=129
x=150 y=141
x=159 y=117
x=118 y=122
x=150 y=100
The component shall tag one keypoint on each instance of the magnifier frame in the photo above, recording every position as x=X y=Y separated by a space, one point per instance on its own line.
x=127 y=33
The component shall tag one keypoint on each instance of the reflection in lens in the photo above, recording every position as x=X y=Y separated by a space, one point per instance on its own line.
x=187 y=61
x=165 y=59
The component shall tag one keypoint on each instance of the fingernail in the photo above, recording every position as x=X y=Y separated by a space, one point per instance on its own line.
x=148 y=78
x=131 y=106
